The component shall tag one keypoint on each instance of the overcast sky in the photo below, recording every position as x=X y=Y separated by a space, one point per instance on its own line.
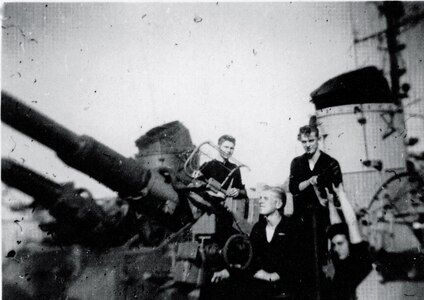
x=114 y=71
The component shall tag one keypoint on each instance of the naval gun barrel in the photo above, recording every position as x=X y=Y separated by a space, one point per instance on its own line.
x=78 y=218
x=123 y=175
x=29 y=182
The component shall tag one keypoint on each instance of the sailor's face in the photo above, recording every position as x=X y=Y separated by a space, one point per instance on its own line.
x=309 y=143
x=340 y=246
x=226 y=149
x=268 y=203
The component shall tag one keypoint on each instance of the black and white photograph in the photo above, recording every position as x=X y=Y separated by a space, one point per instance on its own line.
x=212 y=150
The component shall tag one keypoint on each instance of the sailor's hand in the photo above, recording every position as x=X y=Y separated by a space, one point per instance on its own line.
x=329 y=270
x=330 y=196
x=333 y=196
x=170 y=206
x=263 y=275
x=338 y=189
x=233 y=192
x=221 y=275
x=313 y=180
x=196 y=174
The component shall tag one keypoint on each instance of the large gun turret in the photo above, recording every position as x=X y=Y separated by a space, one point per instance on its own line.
x=155 y=207
x=123 y=175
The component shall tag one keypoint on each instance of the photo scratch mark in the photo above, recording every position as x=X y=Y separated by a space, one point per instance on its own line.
x=17 y=223
x=229 y=65
x=14 y=145
x=14 y=26
x=18 y=73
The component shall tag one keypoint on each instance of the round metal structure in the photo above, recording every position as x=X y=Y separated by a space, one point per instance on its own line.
x=362 y=128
